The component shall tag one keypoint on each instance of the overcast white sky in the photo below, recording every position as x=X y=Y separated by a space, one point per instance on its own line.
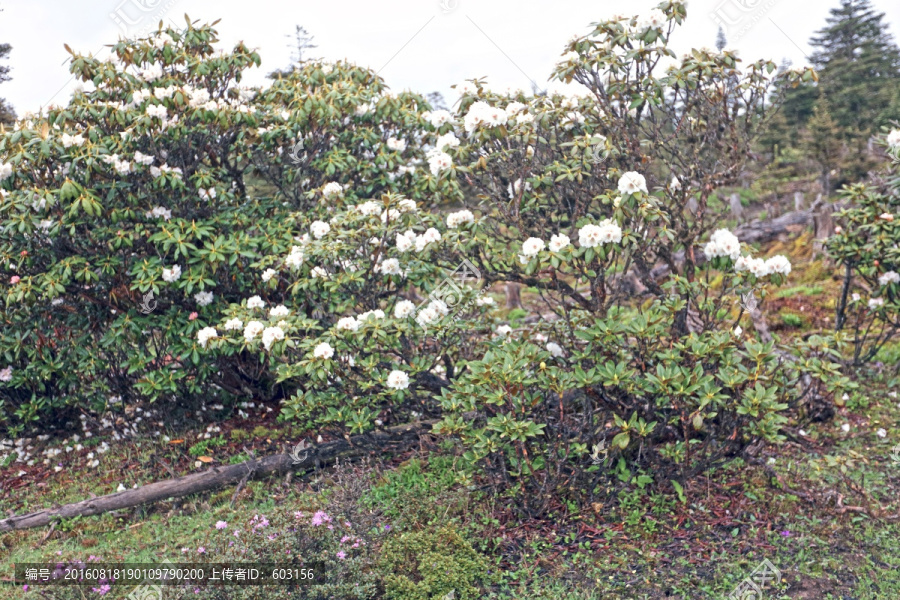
x=423 y=45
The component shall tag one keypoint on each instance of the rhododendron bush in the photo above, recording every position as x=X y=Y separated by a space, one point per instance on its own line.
x=132 y=215
x=866 y=243
x=302 y=242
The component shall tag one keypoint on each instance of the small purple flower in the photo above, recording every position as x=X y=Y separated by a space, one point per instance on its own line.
x=341 y=555
x=201 y=550
x=786 y=533
x=221 y=525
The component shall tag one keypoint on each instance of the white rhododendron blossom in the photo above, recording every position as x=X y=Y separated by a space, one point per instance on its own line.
x=876 y=302
x=233 y=325
x=398 y=380
x=439 y=161
x=347 y=324
x=6 y=374
x=655 y=18
x=404 y=243
x=555 y=349
x=279 y=311
x=632 y=182
x=532 y=246
x=271 y=335
x=390 y=266
x=558 y=242
x=203 y=298
x=295 y=258
x=448 y=140
x=319 y=229
x=439 y=117
x=160 y=213
x=404 y=309
x=723 y=243
x=172 y=274
x=484 y=301
x=458 y=218
x=71 y=140
x=396 y=145
x=323 y=351
x=482 y=114
x=888 y=278
x=253 y=329
x=893 y=138
x=779 y=264
x=206 y=334
x=504 y=330
x=369 y=208
x=332 y=190
x=376 y=314
x=269 y=274
x=431 y=235
x=255 y=302
x=607 y=232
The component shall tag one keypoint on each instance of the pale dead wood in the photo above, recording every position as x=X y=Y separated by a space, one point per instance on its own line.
x=219 y=476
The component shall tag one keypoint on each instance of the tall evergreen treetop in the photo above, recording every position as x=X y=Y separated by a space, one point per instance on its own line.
x=858 y=65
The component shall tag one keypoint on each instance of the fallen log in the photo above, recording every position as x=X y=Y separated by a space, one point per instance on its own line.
x=220 y=476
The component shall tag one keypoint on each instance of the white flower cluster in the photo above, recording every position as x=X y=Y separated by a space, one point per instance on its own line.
x=165 y=168
x=722 y=243
x=143 y=159
x=763 y=268
x=398 y=380
x=532 y=246
x=203 y=298
x=170 y=275
x=458 y=218
x=607 y=232
x=482 y=114
x=206 y=334
x=404 y=309
x=295 y=258
x=632 y=182
x=397 y=145
x=431 y=313
x=889 y=278
x=558 y=242
x=6 y=170
x=319 y=229
x=654 y=19
x=160 y=212
x=893 y=138
x=208 y=194
x=332 y=190
x=255 y=302
x=71 y=140
x=438 y=161
x=389 y=266
x=438 y=117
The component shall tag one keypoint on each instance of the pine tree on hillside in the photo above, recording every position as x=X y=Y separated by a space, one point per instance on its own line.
x=7 y=113
x=721 y=40
x=858 y=66
x=822 y=143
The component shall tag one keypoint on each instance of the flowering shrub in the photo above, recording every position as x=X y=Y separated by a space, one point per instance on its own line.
x=371 y=356
x=132 y=215
x=867 y=243
x=619 y=181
